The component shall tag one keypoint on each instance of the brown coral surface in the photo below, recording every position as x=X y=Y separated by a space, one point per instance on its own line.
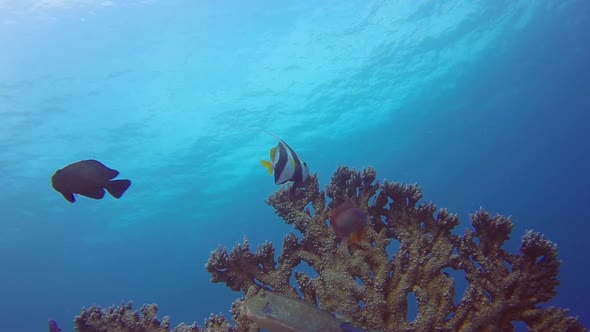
x=366 y=285
x=503 y=287
x=124 y=319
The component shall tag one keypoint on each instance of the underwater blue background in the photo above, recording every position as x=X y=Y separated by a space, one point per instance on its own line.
x=481 y=103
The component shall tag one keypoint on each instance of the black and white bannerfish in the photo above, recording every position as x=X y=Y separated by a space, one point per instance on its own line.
x=286 y=164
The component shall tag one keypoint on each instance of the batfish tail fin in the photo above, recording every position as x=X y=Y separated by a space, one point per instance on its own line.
x=117 y=187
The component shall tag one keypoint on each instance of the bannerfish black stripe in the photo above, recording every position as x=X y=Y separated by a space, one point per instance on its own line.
x=281 y=164
x=284 y=169
x=298 y=176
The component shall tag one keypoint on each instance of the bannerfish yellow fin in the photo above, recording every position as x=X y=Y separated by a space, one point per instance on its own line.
x=267 y=164
x=272 y=153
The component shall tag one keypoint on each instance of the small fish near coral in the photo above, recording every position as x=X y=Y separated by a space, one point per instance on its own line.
x=88 y=178
x=348 y=221
x=53 y=327
x=281 y=313
x=286 y=164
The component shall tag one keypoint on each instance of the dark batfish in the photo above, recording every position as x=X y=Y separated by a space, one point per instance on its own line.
x=88 y=178
x=53 y=326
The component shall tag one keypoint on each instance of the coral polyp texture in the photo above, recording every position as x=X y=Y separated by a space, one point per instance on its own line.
x=369 y=288
x=365 y=283
x=124 y=319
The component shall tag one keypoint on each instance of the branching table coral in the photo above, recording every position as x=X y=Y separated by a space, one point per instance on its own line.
x=503 y=287
x=365 y=283
x=124 y=319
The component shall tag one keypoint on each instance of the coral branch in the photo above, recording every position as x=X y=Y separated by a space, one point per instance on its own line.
x=124 y=319
x=367 y=286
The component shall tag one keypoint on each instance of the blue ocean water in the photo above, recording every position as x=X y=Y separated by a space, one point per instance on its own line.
x=482 y=103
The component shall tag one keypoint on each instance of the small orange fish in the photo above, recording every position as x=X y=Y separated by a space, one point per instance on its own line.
x=348 y=221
